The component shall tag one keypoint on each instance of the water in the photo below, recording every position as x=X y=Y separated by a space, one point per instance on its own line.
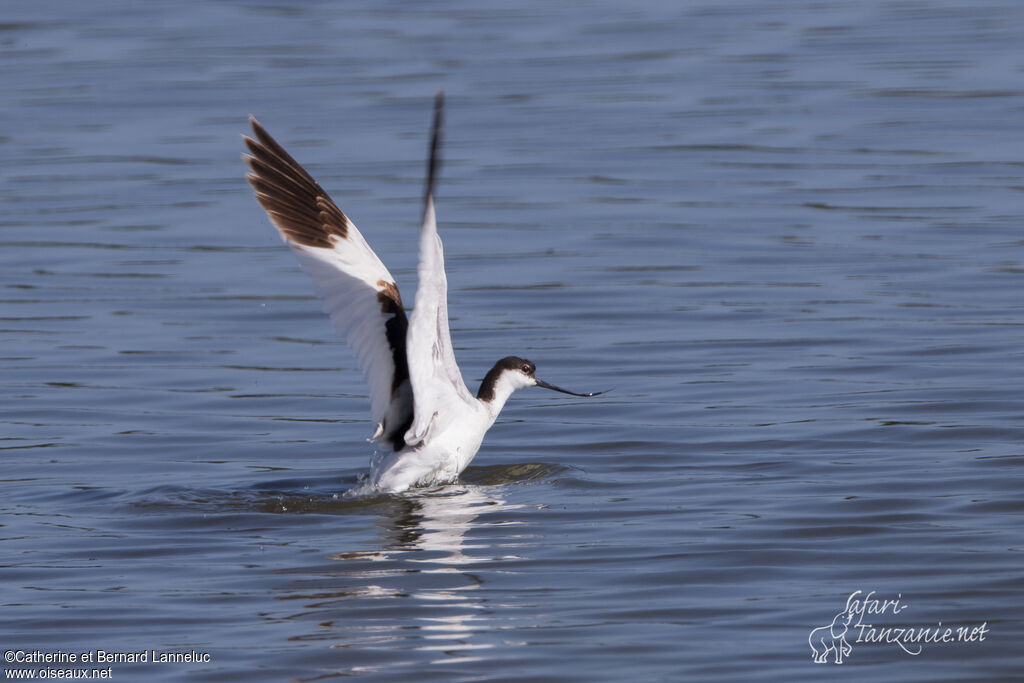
x=787 y=234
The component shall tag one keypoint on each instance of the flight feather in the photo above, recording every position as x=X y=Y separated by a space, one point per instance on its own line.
x=355 y=288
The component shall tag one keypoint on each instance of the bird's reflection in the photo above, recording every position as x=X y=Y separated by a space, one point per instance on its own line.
x=436 y=522
x=418 y=590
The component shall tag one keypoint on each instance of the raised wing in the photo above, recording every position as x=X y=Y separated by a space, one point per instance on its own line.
x=436 y=380
x=355 y=288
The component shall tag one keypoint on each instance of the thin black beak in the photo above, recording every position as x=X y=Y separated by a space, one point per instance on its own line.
x=552 y=387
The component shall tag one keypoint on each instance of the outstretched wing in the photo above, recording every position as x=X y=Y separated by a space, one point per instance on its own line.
x=355 y=288
x=436 y=380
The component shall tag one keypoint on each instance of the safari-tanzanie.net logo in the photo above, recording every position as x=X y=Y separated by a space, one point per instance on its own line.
x=861 y=622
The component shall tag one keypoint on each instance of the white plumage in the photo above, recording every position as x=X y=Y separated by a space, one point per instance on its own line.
x=348 y=290
x=424 y=412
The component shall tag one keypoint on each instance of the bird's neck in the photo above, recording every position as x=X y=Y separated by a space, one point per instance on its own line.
x=494 y=391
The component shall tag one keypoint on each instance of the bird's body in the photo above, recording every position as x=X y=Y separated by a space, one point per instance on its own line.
x=439 y=460
x=425 y=414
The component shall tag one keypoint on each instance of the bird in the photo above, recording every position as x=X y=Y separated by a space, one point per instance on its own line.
x=428 y=424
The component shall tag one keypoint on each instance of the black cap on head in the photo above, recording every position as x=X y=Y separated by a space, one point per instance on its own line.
x=512 y=364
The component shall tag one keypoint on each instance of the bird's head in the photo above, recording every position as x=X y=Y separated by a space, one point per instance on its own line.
x=512 y=373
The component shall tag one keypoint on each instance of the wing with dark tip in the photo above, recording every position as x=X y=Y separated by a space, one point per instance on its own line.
x=435 y=376
x=355 y=288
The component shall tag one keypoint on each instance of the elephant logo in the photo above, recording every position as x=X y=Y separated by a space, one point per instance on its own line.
x=831 y=638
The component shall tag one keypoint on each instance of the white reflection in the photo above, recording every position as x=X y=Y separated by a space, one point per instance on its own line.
x=430 y=533
x=431 y=543
x=445 y=521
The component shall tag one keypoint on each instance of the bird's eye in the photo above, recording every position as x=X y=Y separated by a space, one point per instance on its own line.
x=526 y=369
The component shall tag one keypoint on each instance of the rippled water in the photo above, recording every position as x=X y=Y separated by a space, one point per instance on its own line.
x=788 y=234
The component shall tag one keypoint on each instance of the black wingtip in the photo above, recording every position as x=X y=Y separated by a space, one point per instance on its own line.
x=257 y=128
x=434 y=162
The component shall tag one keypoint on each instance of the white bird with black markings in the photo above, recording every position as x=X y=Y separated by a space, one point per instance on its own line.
x=425 y=415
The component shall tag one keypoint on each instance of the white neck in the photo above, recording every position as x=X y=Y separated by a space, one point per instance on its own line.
x=503 y=388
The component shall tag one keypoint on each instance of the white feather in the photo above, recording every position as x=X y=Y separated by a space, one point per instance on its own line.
x=346 y=283
x=437 y=383
x=355 y=288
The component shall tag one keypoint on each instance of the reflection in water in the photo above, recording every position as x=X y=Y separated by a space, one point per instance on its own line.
x=425 y=564
x=441 y=527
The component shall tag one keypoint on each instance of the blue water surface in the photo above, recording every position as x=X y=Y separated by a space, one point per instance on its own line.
x=789 y=235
